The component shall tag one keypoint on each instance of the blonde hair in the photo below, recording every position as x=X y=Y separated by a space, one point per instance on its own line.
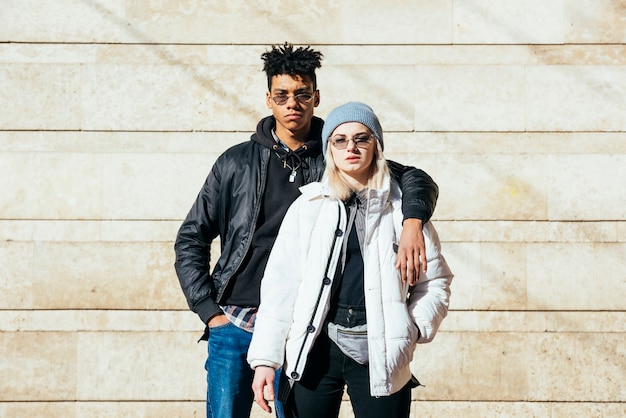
x=339 y=187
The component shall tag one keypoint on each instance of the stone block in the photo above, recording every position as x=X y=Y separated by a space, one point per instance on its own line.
x=16 y=280
x=576 y=276
x=469 y=97
x=575 y=97
x=424 y=21
x=508 y=22
x=152 y=185
x=490 y=187
x=541 y=276
x=50 y=186
x=424 y=409
x=524 y=366
x=172 y=96
x=522 y=409
x=141 y=366
x=96 y=275
x=38 y=366
x=125 y=409
x=187 y=22
x=587 y=188
x=86 y=320
x=601 y=21
x=39 y=96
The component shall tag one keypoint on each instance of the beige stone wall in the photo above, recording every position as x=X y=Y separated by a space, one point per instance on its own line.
x=112 y=113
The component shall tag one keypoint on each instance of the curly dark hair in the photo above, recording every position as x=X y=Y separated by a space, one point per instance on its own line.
x=285 y=59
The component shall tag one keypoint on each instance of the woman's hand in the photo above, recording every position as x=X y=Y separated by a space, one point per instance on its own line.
x=263 y=376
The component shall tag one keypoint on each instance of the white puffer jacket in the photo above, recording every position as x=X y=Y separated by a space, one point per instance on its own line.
x=296 y=287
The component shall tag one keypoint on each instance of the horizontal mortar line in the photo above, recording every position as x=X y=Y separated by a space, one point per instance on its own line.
x=198 y=330
x=508 y=401
x=36 y=401
x=463 y=44
x=90 y=220
x=525 y=221
x=120 y=130
x=187 y=310
x=343 y=44
x=520 y=401
x=250 y=131
x=539 y=310
x=90 y=309
x=510 y=132
x=504 y=401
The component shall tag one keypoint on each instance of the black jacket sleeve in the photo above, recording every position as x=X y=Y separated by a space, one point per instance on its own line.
x=419 y=191
x=192 y=248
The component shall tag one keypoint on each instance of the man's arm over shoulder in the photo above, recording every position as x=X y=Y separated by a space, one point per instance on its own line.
x=419 y=198
x=419 y=191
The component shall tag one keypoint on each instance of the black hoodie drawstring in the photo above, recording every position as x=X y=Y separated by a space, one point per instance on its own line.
x=295 y=161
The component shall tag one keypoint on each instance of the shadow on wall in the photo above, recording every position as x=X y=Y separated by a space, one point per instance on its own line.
x=225 y=97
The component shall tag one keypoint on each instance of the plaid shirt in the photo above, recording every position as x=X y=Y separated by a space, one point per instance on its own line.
x=241 y=317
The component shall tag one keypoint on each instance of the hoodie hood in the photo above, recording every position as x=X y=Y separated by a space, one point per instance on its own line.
x=312 y=147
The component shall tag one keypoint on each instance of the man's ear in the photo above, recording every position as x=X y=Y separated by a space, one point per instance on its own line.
x=268 y=103
x=316 y=100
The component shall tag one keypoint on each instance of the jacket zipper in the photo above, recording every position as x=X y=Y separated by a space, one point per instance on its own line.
x=319 y=295
x=348 y=332
x=257 y=205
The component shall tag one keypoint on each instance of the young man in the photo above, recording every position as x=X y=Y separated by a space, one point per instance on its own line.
x=243 y=201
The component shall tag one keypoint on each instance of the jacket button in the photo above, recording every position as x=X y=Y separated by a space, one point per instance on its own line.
x=310 y=329
x=326 y=281
x=338 y=232
x=295 y=375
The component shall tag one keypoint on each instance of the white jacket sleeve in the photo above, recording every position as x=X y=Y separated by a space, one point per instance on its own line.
x=279 y=289
x=429 y=298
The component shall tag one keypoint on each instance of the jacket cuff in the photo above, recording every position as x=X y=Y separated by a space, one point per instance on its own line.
x=416 y=210
x=206 y=309
x=256 y=363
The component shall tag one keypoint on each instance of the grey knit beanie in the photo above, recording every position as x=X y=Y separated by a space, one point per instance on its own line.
x=351 y=112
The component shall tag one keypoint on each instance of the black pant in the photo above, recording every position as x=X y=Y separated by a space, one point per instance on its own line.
x=318 y=394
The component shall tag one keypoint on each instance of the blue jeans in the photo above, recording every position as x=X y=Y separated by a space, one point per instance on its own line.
x=229 y=376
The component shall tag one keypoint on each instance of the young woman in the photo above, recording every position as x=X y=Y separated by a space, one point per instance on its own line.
x=334 y=310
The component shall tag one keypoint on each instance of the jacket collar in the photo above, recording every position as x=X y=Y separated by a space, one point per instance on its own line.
x=377 y=198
